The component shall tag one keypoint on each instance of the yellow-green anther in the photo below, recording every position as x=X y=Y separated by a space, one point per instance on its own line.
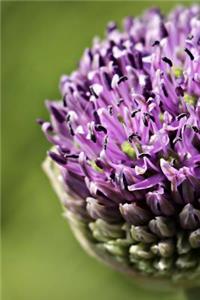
x=76 y=145
x=170 y=159
x=120 y=118
x=128 y=149
x=95 y=167
x=161 y=117
x=190 y=99
x=178 y=72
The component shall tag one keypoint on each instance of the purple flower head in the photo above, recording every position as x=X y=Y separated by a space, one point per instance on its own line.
x=126 y=138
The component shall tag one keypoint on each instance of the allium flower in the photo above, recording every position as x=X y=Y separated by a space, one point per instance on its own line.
x=126 y=155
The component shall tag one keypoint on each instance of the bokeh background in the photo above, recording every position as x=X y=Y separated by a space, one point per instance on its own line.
x=41 y=258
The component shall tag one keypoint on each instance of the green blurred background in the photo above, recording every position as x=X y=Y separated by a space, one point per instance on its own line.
x=41 y=258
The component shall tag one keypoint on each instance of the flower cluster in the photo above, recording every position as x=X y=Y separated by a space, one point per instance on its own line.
x=126 y=139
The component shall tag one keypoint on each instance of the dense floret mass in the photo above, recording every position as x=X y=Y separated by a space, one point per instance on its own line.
x=126 y=139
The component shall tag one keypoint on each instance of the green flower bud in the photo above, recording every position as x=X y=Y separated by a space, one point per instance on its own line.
x=103 y=231
x=194 y=238
x=142 y=234
x=183 y=245
x=140 y=251
x=163 y=264
x=164 y=248
x=162 y=227
x=115 y=248
x=145 y=266
x=186 y=261
x=189 y=217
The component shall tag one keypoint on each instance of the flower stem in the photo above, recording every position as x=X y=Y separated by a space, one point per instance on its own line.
x=193 y=293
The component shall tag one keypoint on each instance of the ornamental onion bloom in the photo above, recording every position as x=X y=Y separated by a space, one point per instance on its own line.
x=126 y=154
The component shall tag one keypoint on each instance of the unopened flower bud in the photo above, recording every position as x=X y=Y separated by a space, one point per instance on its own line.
x=194 y=238
x=142 y=234
x=162 y=227
x=164 y=248
x=134 y=214
x=190 y=217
